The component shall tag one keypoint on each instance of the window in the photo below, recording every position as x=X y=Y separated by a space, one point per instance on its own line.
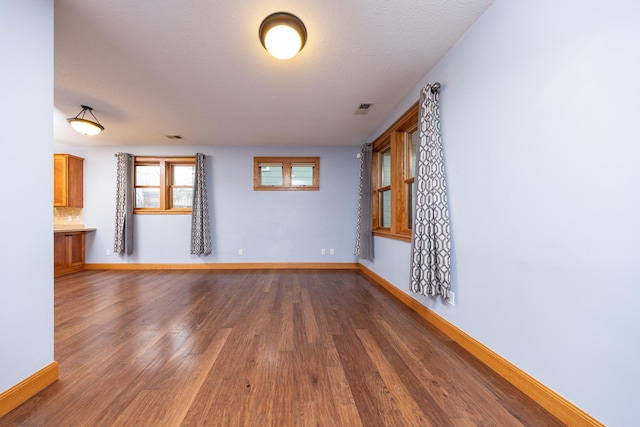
x=384 y=189
x=393 y=171
x=286 y=173
x=411 y=149
x=164 y=185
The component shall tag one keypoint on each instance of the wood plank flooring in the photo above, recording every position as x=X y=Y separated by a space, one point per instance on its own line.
x=258 y=348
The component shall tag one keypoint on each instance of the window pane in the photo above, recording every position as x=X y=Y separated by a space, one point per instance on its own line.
x=412 y=150
x=147 y=197
x=184 y=175
x=385 y=168
x=301 y=175
x=147 y=175
x=271 y=175
x=385 y=209
x=182 y=198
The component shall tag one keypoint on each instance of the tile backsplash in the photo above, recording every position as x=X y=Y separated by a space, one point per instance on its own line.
x=67 y=216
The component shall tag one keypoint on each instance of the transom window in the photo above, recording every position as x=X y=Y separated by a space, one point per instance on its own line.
x=164 y=185
x=286 y=173
x=393 y=172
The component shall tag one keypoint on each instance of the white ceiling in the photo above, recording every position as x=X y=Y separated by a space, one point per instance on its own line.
x=197 y=69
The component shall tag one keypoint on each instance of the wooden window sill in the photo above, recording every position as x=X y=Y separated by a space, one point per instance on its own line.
x=390 y=235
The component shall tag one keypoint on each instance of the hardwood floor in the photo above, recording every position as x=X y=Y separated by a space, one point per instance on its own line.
x=258 y=348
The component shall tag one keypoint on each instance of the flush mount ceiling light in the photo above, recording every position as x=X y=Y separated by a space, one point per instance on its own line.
x=283 y=35
x=86 y=126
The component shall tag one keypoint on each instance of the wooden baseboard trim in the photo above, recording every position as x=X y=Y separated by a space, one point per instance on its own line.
x=21 y=392
x=560 y=407
x=230 y=266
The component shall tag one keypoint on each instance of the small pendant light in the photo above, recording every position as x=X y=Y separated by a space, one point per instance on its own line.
x=86 y=126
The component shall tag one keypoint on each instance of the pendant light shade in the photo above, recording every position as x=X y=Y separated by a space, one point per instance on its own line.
x=283 y=35
x=85 y=126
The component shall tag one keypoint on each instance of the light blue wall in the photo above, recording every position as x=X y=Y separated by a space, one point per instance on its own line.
x=540 y=123
x=269 y=226
x=26 y=263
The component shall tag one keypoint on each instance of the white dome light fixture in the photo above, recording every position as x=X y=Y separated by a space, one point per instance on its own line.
x=85 y=126
x=283 y=35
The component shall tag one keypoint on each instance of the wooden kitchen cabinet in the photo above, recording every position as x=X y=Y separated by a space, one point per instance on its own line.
x=68 y=176
x=68 y=252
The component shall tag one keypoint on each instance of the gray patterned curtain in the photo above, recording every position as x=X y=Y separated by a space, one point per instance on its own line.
x=200 y=228
x=364 y=238
x=431 y=245
x=123 y=238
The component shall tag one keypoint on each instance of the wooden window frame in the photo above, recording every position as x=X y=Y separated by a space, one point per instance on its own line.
x=394 y=139
x=383 y=146
x=287 y=163
x=165 y=164
x=408 y=180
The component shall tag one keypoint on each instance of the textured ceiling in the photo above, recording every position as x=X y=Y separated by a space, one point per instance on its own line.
x=197 y=69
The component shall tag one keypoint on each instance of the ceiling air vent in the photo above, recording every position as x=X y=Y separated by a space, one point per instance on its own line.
x=364 y=108
x=174 y=136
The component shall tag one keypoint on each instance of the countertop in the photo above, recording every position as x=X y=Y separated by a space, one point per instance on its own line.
x=70 y=228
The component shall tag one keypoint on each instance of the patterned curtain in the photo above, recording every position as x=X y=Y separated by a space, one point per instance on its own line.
x=123 y=238
x=200 y=228
x=364 y=238
x=430 y=251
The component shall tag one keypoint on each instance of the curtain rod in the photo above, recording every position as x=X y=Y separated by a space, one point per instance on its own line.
x=435 y=87
x=160 y=157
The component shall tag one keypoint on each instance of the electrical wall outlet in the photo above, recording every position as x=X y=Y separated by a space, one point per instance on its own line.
x=452 y=298
x=108 y=252
x=323 y=251
x=331 y=251
x=240 y=251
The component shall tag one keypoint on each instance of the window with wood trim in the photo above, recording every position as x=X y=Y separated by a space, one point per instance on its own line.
x=286 y=173
x=393 y=171
x=164 y=185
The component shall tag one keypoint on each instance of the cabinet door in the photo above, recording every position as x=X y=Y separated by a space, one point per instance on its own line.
x=68 y=176
x=75 y=177
x=59 y=180
x=60 y=260
x=76 y=249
